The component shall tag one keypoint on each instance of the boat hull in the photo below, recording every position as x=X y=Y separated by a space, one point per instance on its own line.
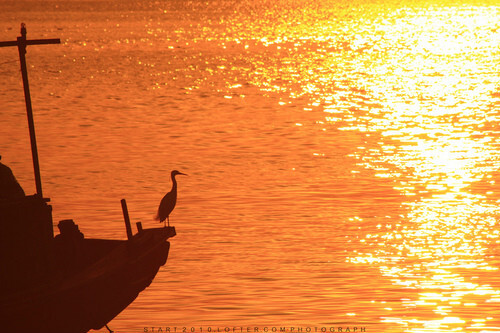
x=93 y=296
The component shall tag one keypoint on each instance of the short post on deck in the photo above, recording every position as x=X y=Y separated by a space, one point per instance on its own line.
x=127 y=219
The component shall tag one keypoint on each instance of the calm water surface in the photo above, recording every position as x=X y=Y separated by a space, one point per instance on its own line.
x=342 y=159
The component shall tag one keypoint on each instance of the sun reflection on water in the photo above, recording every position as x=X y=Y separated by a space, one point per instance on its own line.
x=420 y=85
x=438 y=148
x=411 y=86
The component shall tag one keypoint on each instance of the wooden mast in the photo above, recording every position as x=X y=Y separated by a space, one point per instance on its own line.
x=21 y=44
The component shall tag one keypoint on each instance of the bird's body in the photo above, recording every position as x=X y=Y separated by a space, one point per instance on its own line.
x=168 y=202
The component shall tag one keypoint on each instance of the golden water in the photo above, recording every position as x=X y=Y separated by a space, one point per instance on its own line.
x=342 y=159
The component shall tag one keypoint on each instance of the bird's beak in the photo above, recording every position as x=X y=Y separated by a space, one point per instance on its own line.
x=180 y=173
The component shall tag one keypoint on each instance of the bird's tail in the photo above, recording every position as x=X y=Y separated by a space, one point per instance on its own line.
x=157 y=215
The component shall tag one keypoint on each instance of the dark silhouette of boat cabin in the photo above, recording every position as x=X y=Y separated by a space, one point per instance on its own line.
x=67 y=283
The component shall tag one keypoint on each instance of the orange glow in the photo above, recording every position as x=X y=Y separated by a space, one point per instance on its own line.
x=343 y=156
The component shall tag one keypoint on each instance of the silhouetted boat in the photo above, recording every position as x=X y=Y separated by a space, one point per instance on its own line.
x=67 y=283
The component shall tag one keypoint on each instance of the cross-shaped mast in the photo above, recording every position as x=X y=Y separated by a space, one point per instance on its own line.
x=21 y=44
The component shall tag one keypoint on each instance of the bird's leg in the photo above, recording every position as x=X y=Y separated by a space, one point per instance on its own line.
x=168 y=222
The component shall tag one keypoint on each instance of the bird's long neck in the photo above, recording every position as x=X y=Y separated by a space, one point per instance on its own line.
x=174 y=184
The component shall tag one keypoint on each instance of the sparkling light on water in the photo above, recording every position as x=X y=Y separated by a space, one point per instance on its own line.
x=343 y=156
